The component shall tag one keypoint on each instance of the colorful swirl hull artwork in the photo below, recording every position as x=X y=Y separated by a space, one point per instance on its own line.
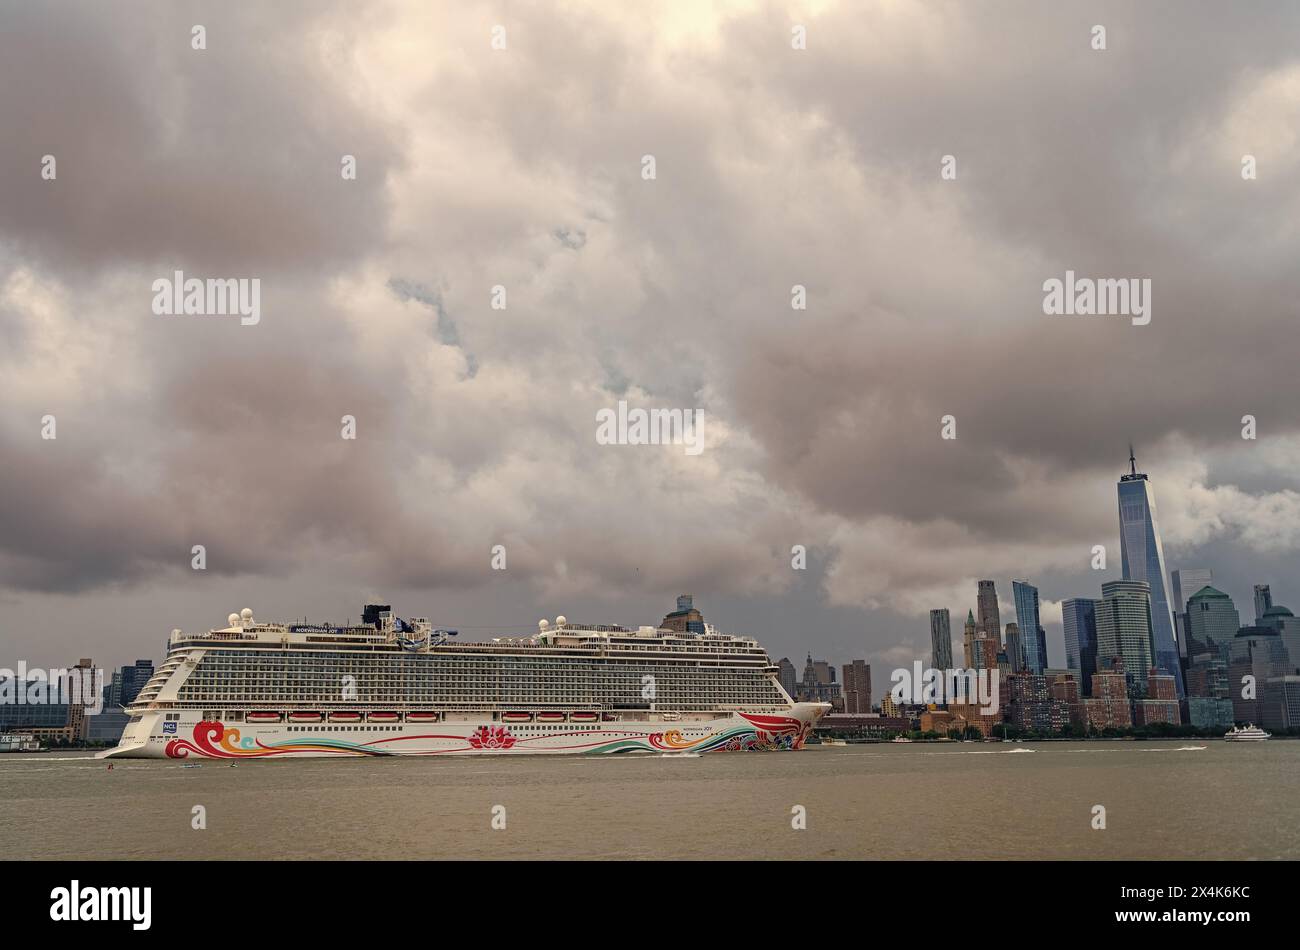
x=740 y=733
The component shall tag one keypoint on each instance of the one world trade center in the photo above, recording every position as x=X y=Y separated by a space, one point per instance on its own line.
x=1144 y=560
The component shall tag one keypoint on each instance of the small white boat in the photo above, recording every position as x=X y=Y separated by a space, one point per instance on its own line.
x=1248 y=733
x=900 y=739
x=829 y=741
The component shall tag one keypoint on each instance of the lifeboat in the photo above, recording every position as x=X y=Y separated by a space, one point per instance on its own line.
x=384 y=717
x=305 y=717
x=550 y=717
x=583 y=717
x=262 y=717
x=422 y=717
x=516 y=717
x=345 y=717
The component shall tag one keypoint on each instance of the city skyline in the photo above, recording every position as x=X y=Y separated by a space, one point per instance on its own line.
x=988 y=604
x=1139 y=530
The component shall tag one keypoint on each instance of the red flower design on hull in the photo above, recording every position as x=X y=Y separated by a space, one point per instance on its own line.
x=491 y=737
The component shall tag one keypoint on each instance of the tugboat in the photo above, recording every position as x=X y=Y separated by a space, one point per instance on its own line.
x=1248 y=733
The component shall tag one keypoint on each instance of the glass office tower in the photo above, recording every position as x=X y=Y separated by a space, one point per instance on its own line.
x=1079 y=615
x=1124 y=631
x=1032 y=637
x=1212 y=622
x=1144 y=560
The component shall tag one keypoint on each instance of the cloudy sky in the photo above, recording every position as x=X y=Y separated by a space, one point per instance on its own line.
x=523 y=167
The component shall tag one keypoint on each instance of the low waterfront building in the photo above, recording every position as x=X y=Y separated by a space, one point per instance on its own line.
x=1033 y=705
x=48 y=721
x=1279 y=703
x=972 y=714
x=1256 y=652
x=1149 y=712
x=1207 y=712
x=1109 y=707
x=866 y=725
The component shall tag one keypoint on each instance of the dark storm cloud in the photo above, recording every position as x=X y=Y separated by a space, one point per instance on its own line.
x=1067 y=158
x=226 y=159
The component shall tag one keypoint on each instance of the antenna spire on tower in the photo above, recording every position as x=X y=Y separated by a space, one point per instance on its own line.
x=1132 y=461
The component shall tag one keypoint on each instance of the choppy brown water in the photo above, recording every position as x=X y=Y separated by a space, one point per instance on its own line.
x=1029 y=800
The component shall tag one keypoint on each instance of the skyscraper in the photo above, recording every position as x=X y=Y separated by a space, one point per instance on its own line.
x=1080 y=618
x=1257 y=652
x=1212 y=622
x=1263 y=601
x=1124 y=631
x=788 y=676
x=1015 y=650
x=940 y=639
x=685 y=619
x=1287 y=625
x=968 y=640
x=1032 y=635
x=1143 y=559
x=989 y=623
x=857 y=687
x=1184 y=583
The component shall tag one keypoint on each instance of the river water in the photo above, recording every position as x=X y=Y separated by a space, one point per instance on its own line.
x=1162 y=800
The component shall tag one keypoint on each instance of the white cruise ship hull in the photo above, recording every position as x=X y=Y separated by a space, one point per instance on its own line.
x=154 y=736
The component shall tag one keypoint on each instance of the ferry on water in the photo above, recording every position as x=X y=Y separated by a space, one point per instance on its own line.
x=1247 y=733
x=401 y=687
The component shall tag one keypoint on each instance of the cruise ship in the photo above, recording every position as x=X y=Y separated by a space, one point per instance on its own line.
x=394 y=686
